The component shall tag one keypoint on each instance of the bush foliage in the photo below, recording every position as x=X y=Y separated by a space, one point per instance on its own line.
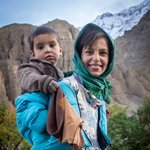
x=10 y=138
x=130 y=133
x=127 y=133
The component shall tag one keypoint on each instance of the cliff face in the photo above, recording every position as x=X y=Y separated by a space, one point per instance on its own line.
x=131 y=76
x=14 y=50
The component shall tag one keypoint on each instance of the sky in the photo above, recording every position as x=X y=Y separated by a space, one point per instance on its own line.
x=75 y=12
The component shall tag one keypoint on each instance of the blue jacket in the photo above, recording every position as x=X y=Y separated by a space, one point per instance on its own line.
x=31 y=116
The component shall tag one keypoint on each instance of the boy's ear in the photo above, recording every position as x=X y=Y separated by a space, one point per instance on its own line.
x=61 y=51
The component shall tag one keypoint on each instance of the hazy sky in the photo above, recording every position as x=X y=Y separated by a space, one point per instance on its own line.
x=76 y=12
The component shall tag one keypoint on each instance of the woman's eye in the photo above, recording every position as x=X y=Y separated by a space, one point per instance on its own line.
x=89 y=52
x=103 y=53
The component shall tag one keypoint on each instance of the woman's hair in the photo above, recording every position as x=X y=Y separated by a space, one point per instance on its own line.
x=42 y=30
x=89 y=36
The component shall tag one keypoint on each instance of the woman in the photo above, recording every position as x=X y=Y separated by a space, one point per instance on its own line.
x=87 y=90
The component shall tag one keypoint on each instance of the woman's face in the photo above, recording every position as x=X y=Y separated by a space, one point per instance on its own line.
x=96 y=57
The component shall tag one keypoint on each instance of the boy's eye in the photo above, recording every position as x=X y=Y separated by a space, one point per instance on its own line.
x=40 y=46
x=52 y=44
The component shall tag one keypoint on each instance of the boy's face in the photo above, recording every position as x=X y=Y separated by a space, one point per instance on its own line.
x=96 y=57
x=46 y=47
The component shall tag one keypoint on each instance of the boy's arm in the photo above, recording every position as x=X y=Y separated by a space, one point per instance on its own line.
x=32 y=80
x=52 y=87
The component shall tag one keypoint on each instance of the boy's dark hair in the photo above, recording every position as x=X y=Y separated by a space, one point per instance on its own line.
x=42 y=30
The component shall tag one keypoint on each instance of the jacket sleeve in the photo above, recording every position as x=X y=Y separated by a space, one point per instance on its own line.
x=31 y=113
x=32 y=80
x=103 y=117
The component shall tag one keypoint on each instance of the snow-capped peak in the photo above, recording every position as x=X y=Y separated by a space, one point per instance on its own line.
x=117 y=24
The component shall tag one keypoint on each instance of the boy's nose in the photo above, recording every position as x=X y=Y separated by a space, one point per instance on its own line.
x=47 y=49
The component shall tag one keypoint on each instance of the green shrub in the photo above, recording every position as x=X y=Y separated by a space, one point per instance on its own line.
x=129 y=133
x=126 y=133
x=144 y=112
x=9 y=136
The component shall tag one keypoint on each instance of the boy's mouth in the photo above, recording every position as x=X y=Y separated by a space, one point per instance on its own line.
x=49 y=58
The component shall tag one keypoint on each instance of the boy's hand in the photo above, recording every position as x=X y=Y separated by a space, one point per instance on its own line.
x=52 y=87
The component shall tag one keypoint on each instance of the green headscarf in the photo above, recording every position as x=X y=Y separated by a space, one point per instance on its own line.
x=97 y=85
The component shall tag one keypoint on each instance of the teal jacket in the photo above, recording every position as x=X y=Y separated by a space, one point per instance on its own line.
x=31 y=116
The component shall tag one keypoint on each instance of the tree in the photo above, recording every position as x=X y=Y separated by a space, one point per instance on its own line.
x=144 y=113
x=9 y=135
x=128 y=133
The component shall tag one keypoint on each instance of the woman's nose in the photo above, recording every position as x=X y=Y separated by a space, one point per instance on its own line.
x=96 y=56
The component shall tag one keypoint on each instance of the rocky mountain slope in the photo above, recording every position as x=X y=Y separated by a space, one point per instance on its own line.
x=131 y=75
x=14 y=50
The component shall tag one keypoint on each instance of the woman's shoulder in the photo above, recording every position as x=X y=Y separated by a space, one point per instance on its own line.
x=67 y=80
x=66 y=84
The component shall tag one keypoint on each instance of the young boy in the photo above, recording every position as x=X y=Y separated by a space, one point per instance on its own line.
x=41 y=74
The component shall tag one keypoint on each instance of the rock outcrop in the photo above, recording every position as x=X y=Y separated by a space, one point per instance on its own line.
x=14 y=50
x=131 y=76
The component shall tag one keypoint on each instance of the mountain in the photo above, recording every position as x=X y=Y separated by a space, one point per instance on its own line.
x=117 y=24
x=14 y=50
x=130 y=78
